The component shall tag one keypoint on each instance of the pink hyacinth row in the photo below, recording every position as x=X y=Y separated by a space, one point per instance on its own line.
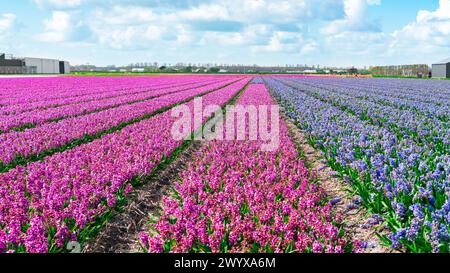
x=48 y=203
x=76 y=94
x=234 y=197
x=48 y=136
x=40 y=116
x=45 y=92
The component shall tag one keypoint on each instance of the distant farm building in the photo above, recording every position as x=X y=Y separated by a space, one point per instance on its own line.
x=10 y=65
x=310 y=71
x=414 y=70
x=138 y=70
x=441 y=69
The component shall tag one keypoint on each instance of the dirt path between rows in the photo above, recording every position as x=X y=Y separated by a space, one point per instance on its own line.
x=121 y=233
x=355 y=220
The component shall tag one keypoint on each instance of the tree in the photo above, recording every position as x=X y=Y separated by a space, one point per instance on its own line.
x=352 y=71
x=213 y=70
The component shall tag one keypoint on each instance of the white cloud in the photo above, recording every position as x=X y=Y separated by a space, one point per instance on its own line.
x=299 y=28
x=8 y=25
x=59 y=3
x=7 y=21
x=309 y=48
x=316 y=31
x=281 y=41
x=203 y=12
x=133 y=27
x=430 y=26
x=135 y=37
x=259 y=24
x=356 y=19
x=125 y=15
x=374 y=2
x=264 y=11
x=429 y=34
x=252 y=35
x=63 y=27
x=357 y=43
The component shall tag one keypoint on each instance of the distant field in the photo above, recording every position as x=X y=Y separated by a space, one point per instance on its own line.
x=207 y=73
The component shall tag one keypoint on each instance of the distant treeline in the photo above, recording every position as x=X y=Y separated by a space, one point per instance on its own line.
x=415 y=70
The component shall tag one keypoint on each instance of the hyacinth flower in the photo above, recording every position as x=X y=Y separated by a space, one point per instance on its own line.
x=234 y=197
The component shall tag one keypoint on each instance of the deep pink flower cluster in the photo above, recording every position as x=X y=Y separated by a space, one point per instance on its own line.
x=40 y=116
x=48 y=203
x=236 y=198
x=48 y=136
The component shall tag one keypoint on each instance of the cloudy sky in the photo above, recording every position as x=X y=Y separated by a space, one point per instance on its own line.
x=265 y=32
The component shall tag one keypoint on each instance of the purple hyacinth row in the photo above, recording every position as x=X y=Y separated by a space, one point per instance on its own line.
x=48 y=203
x=424 y=128
x=49 y=136
x=234 y=197
x=406 y=183
x=37 y=117
x=428 y=100
x=134 y=88
x=410 y=90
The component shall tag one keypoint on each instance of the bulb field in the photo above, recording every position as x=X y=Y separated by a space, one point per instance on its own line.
x=220 y=156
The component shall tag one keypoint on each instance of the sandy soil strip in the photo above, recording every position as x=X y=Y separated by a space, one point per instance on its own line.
x=355 y=220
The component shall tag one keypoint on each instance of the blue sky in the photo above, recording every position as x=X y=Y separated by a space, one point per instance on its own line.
x=325 y=32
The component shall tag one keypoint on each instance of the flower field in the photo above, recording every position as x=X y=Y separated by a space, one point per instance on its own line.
x=74 y=150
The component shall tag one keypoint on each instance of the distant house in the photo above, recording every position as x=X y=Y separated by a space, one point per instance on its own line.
x=310 y=71
x=441 y=69
x=138 y=70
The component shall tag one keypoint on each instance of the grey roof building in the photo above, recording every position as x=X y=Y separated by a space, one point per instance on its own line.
x=441 y=69
x=10 y=65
